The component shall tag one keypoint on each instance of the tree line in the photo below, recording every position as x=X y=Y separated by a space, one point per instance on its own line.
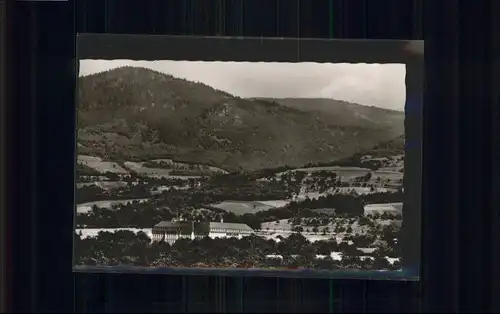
x=127 y=248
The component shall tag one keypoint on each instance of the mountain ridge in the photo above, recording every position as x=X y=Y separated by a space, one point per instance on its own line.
x=133 y=113
x=388 y=117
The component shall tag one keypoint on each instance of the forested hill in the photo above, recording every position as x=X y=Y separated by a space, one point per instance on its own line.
x=134 y=113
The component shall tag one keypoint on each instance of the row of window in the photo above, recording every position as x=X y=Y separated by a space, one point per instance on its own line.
x=229 y=230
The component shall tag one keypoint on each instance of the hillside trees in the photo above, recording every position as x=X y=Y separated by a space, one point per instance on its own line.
x=118 y=103
x=343 y=204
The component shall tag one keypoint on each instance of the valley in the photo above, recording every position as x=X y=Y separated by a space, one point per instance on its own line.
x=158 y=152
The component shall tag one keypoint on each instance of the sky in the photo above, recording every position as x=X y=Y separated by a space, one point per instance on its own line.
x=380 y=85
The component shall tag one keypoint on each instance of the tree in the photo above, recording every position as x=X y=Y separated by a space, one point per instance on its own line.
x=294 y=244
x=367 y=177
x=350 y=261
x=326 y=247
x=388 y=234
x=381 y=263
x=326 y=263
x=112 y=176
x=298 y=229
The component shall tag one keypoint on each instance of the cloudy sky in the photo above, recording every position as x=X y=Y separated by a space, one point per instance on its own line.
x=381 y=85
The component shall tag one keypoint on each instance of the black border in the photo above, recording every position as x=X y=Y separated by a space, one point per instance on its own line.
x=193 y=48
x=3 y=168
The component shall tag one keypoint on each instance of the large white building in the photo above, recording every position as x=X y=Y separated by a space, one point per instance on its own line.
x=171 y=231
x=228 y=230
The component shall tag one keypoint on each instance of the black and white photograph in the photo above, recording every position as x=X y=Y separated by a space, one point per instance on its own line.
x=240 y=165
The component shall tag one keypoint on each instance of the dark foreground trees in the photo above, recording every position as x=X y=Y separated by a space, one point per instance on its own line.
x=127 y=248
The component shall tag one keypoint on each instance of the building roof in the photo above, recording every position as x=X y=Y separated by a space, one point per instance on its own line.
x=229 y=225
x=172 y=224
x=182 y=227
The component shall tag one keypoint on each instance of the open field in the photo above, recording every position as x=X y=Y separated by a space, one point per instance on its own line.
x=249 y=207
x=305 y=192
x=347 y=173
x=162 y=188
x=105 y=185
x=110 y=185
x=392 y=169
x=275 y=203
x=87 y=207
x=315 y=195
x=350 y=173
x=80 y=185
x=310 y=237
x=388 y=175
x=139 y=168
x=242 y=207
x=99 y=165
x=89 y=233
x=331 y=169
x=389 y=208
x=174 y=165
